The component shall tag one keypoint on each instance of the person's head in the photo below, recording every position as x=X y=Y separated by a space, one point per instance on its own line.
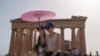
x=69 y=50
x=41 y=28
x=49 y=27
x=74 y=48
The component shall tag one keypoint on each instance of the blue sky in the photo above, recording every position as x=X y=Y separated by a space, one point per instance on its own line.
x=12 y=9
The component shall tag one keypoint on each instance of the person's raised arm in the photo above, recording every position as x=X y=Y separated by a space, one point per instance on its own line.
x=42 y=37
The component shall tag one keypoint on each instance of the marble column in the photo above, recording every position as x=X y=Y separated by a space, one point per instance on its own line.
x=82 y=44
x=12 y=43
x=30 y=39
x=20 y=43
x=16 y=42
x=25 y=48
x=27 y=40
x=62 y=39
x=35 y=34
x=78 y=36
x=73 y=39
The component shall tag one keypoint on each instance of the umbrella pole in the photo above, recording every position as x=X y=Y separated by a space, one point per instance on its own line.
x=39 y=21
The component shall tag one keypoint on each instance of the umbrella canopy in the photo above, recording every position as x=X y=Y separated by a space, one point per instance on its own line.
x=38 y=15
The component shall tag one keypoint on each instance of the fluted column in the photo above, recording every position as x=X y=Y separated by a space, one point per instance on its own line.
x=30 y=39
x=20 y=42
x=12 y=42
x=82 y=44
x=25 y=47
x=27 y=40
x=78 y=36
x=62 y=38
x=35 y=33
x=16 y=42
x=73 y=39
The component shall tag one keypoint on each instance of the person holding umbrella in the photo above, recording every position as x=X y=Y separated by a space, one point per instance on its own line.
x=41 y=44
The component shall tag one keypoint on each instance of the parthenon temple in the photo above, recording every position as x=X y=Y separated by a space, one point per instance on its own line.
x=23 y=35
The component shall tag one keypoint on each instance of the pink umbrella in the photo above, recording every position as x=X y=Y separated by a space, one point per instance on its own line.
x=37 y=16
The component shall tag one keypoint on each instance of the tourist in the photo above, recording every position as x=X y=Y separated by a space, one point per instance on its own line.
x=70 y=52
x=53 y=40
x=41 y=44
x=75 y=52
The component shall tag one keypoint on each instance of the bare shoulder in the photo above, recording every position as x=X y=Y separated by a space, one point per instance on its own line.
x=58 y=35
x=58 y=39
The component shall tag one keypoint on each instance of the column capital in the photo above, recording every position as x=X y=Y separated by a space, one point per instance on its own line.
x=31 y=28
x=18 y=30
x=82 y=28
x=62 y=28
x=72 y=28
x=21 y=30
x=14 y=29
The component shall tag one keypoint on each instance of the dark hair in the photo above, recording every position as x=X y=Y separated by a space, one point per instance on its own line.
x=49 y=25
x=41 y=27
x=36 y=47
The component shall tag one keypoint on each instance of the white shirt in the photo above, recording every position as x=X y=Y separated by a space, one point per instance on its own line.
x=51 y=42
